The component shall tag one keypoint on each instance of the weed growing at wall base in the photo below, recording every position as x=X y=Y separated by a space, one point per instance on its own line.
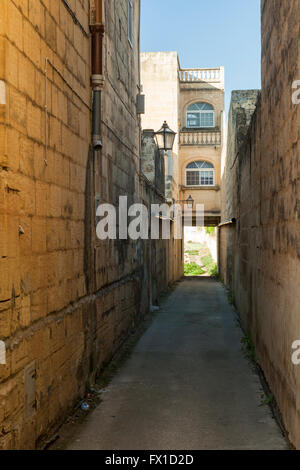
x=249 y=348
x=210 y=265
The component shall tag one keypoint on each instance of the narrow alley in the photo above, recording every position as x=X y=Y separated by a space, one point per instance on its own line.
x=187 y=384
x=141 y=142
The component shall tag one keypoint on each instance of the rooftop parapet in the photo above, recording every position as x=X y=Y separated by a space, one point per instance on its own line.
x=210 y=75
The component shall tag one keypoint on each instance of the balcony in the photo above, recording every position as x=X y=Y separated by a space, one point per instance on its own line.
x=210 y=75
x=200 y=138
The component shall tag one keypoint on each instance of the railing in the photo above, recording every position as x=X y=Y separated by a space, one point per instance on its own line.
x=200 y=138
x=202 y=75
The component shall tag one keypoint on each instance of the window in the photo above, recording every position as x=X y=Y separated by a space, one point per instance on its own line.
x=200 y=115
x=130 y=22
x=200 y=174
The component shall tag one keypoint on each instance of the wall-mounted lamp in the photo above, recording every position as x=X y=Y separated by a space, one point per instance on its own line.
x=190 y=202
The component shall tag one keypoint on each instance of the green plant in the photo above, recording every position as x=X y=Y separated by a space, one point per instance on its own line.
x=248 y=348
x=210 y=266
x=193 y=269
x=192 y=252
x=267 y=399
x=214 y=271
x=210 y=230
x=193 y=246
x=231 y=298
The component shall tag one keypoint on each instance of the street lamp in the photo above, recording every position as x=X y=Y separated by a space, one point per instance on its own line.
x=165 y=138
x=190 y=202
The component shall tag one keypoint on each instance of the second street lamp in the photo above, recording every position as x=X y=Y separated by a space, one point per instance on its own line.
x=190 y=202
x=165 y=138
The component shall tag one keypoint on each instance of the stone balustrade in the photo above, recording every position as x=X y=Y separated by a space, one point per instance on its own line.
x=201 y=75
x=200 y=138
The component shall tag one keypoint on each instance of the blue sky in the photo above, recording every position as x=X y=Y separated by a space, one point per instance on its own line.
x=207 y=33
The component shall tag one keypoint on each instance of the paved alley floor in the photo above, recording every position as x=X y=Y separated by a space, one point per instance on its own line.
x=186 y=386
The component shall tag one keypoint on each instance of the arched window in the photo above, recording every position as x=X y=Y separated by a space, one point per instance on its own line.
x=200 y=115
x=200 y=174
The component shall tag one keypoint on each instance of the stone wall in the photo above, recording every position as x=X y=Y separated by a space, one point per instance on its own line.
x=152 y=161
x=42 y=185
x=243 y=105
x=259 y=257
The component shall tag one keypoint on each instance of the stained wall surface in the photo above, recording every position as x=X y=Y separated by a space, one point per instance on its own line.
x=259 y=257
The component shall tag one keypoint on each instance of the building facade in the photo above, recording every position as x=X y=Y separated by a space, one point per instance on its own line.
x=192 y=101
x=68 y=299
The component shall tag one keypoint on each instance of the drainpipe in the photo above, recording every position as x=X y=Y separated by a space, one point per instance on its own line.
x=97 y=82
x=96 y=120
x=97 y=31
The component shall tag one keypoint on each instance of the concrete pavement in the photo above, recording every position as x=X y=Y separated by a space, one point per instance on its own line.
x=186 y=386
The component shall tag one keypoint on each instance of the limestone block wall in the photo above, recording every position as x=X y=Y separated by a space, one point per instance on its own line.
x=238 y=189
x=260 y=256
x=152 y=161
x=42 y=184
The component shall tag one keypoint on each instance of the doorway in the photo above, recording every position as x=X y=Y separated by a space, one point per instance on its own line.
x=200 y=252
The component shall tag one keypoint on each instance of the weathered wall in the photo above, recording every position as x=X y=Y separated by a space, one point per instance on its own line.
x=260 y=256
x=243 y=105
x=152 y=161
x=67 y=300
